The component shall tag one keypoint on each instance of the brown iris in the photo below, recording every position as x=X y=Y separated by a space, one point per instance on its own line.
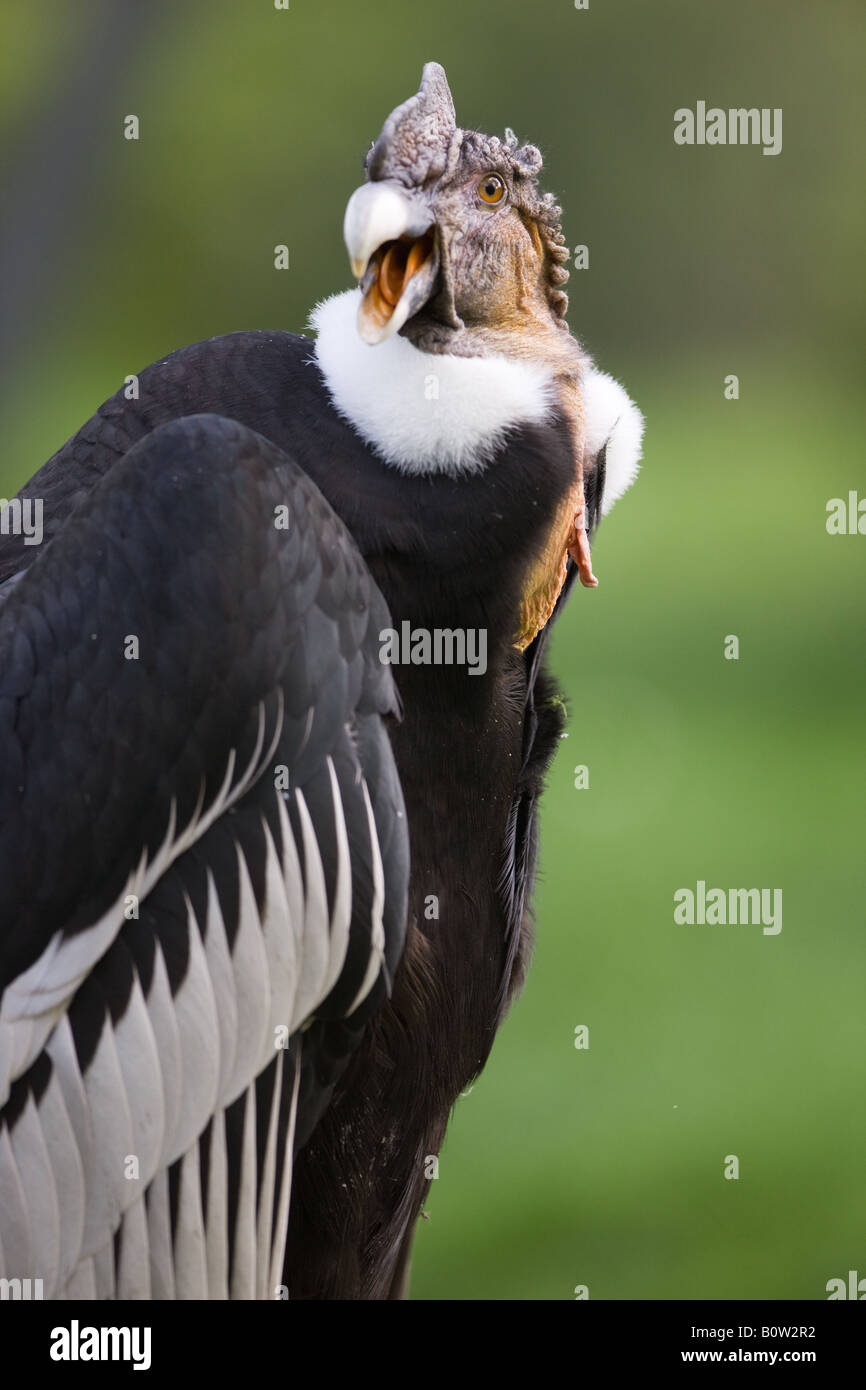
x=491 y=189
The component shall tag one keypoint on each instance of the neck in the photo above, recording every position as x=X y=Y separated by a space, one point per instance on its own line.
x=442 y=411
x=531 y=335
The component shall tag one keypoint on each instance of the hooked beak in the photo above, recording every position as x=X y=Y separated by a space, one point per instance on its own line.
x=389 y=234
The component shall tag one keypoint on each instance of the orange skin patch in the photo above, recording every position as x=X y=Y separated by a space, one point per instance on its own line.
x=567 y=535
x=547 y=576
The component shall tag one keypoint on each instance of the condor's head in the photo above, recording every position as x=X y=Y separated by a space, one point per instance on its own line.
x=453 y=243
x=460 y=254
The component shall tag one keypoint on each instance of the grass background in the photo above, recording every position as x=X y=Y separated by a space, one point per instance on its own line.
x=562 y=1167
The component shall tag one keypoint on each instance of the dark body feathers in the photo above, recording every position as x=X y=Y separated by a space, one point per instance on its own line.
x=170 y=514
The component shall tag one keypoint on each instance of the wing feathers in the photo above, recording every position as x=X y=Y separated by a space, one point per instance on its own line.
x=226 y=889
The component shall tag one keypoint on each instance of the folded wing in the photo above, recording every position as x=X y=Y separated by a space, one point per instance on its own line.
x=203 y=865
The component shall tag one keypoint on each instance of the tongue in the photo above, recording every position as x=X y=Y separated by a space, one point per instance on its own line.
x=392 y=272
x=398 y=280
x=399 y=264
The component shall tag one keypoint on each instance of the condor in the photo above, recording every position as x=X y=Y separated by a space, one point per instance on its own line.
x=215 y=859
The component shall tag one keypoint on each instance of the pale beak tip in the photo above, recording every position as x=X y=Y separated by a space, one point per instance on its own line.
x=358 y=266
x=368 y=332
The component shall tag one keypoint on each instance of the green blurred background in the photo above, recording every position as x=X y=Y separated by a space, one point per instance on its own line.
x=562 y=1167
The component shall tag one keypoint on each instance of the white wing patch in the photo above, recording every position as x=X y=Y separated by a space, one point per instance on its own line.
x=44 y=990
x=163 y=1075
x=377 y=930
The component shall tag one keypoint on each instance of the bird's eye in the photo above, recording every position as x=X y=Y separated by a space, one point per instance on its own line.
x=491 y=189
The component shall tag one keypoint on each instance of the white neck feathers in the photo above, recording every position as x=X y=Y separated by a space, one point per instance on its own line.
x=424 y=412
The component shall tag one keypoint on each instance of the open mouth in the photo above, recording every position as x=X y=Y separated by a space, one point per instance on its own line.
x=398 y=281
